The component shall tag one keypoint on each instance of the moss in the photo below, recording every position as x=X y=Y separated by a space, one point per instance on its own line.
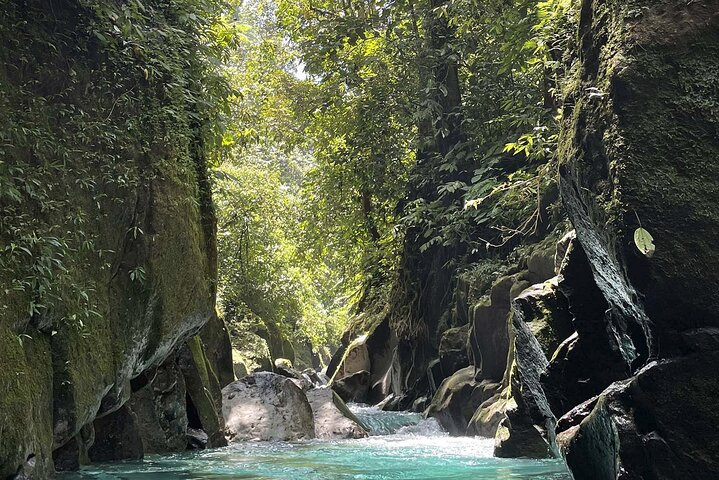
x=119 y=184
x=645 y=151
x=26 y=400
x=204 y=390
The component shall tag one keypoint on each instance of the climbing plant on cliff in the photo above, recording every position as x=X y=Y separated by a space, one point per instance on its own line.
x=92 y=94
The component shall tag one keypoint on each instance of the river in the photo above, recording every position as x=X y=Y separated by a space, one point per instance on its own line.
x=402 y=446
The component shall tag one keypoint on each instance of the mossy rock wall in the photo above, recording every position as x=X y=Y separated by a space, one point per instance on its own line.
x=104 y=201
x=639 y=147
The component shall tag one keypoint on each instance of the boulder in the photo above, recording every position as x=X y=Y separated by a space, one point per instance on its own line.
x=486 y=419
x=266 y=406
x=458 y=398
x=356 y=359
x=353 y=388
x=332 y=417
x=540 y=264
x=488 y=337
x=660 y=423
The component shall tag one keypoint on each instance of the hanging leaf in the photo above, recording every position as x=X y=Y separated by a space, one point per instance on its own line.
x=644 y=242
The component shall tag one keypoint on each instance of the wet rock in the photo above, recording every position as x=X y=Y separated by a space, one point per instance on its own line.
x=486 y=419
x=117 y=437
x=421 y=404
x=453 y=351
x=70 y=456
x=353 y=388
x=266 y=406
x=203 y=392
x=196 y=439
x=332 y=418
x=389 y=403
x=637 y=426
x=161 y=409
x=455 y=402
x=518 y=437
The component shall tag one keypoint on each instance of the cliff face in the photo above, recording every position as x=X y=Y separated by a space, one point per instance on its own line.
x=608 y=363
x=107 y=225
x=640 y=140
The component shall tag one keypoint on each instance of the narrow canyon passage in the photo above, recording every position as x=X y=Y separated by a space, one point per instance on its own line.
x=359 y=239
x=400 y=446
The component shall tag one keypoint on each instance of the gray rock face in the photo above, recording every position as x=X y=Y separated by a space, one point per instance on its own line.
x=266 y=406
x=117 y=437
x=330 y=421
x=488 y=338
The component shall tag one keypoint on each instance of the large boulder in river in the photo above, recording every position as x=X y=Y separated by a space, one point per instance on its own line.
x=332 y=417
x=266 y=406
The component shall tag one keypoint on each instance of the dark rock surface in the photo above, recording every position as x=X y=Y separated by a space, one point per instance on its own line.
x=353 y=388
x=161 y=409
x=659 y=423
x=117 y=437
x=453 y=351
x=203 y=391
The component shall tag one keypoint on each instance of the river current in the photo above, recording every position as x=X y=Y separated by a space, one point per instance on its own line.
x=402 y=446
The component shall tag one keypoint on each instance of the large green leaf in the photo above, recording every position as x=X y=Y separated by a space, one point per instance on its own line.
x=644 y=242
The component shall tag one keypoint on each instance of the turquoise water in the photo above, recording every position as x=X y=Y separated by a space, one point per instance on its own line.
x=403 y=446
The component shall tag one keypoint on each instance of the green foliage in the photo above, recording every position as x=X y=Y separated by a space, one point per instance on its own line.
x=264 y=284
x=97 y=99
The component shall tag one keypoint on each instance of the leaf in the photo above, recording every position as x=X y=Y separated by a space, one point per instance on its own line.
x=644 y=242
